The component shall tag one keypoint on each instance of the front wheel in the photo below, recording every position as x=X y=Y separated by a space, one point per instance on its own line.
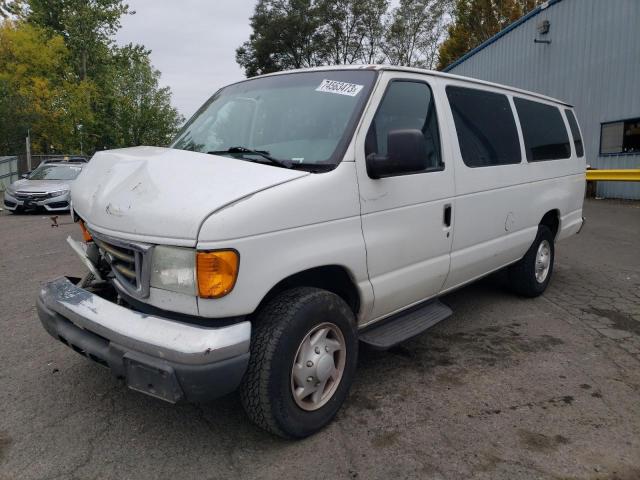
x=304 y=350
x=531 y=275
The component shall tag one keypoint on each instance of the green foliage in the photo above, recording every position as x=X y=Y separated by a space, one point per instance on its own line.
x=140 y=109
x=60 y=68
x=39 y=89
x=88 y=27
x=475 y=21
x=285 y=35
x=414 y=32
x=306 y=33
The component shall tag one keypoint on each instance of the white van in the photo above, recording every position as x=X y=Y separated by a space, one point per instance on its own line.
x=300 y=213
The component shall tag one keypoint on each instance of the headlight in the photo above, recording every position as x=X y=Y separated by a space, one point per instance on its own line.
x=57 y=193
x=183 y=270
x=174 y=269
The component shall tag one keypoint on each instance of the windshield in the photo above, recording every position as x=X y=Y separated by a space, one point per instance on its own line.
x=301 y=118
x=55 y=172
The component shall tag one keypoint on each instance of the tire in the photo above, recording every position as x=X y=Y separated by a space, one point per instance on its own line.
x=267 y=389
x=522 y=275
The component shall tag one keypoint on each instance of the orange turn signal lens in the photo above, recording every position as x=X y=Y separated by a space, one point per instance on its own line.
x=85 y=233
x=216 y=272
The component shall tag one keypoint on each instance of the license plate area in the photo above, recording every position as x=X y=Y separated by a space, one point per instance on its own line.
x=158 y=380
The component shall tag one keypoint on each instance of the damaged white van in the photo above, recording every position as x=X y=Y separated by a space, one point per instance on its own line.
x=300 y=213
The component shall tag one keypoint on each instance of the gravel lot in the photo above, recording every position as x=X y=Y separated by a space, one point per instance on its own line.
x=507 y=388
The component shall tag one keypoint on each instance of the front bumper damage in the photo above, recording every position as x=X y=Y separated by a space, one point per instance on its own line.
x=165 y=358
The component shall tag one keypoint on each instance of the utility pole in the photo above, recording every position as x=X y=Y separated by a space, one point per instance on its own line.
x=79 y=126
x=28 y=140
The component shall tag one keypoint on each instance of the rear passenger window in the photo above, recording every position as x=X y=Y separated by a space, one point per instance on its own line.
x=545 y=136
x=406 y=105
x=575 y=133
x=486 y=128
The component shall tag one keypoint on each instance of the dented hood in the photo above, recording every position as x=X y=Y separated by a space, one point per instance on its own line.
x=165 y=193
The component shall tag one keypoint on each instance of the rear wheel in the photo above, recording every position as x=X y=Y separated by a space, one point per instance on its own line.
x=304 y=351
x=531 y=275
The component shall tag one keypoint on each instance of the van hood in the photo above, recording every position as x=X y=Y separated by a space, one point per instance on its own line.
x=165 y=193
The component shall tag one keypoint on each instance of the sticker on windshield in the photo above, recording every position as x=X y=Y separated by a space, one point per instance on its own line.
x=341 y=88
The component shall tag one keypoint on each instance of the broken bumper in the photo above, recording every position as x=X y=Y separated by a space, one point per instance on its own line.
x=164 y=358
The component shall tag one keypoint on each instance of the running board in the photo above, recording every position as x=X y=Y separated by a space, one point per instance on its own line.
x=405 y=325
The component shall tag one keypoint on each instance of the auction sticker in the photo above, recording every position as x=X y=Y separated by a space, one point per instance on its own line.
x=341 y=88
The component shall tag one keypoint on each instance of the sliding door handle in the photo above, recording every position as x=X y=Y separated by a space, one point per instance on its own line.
x=446 y=218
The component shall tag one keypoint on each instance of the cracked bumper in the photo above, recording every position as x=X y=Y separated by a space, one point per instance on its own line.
x=164 y=358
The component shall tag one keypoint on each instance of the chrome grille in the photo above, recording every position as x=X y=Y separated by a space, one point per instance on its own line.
x=129 y=261
x=31 y=195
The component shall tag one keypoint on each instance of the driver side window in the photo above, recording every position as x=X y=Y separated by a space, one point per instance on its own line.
x=407 y=105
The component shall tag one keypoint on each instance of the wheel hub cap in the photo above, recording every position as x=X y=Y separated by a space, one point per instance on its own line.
x=543 y=261
x=318 y=366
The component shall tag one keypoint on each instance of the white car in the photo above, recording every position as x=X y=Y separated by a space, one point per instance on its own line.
x=300 y=213
x=47 y=187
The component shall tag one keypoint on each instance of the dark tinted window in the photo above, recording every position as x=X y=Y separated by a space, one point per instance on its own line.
x=406 y=105
x=575 y=133
x=545 y=136
x=485 y=125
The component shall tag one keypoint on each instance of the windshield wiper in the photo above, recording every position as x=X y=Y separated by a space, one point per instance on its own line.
x=261 y=153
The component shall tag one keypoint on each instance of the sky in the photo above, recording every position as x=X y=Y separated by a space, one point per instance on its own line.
x=192 y=43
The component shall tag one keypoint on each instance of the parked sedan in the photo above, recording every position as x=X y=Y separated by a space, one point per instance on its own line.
x=45 y=187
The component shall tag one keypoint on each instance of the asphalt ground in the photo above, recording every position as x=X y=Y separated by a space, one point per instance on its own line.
x=507 y=388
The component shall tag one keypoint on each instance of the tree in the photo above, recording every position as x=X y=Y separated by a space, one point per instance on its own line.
x=305 y=33
x=39 y=90
x=414 y=33
x=342 y=30
x=80 y=77
x=373 y=24
x=285 y=35
x=88 y=27
x=141 y=109
x=475 y=21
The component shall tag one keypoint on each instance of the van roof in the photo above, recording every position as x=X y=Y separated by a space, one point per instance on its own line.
x=433 y=73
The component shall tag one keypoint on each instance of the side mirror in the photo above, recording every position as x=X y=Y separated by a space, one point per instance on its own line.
x=406 y=153
x=25 y=175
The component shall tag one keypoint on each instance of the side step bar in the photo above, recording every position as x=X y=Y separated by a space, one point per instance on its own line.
x=405 y=325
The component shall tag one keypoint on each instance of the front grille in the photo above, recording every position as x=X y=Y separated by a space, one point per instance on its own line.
x=31 y=195
x=58 y=204
x=129 y=263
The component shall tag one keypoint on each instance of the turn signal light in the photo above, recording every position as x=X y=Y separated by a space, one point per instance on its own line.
x=85 y=233
x=216 y=272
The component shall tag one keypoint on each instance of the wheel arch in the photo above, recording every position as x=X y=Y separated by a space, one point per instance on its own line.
x=551 y=219
x=333 y=278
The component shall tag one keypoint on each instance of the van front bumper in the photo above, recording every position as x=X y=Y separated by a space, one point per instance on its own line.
x=161 y=357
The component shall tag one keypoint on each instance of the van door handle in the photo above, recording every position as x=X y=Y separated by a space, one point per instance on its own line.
x=447 y=215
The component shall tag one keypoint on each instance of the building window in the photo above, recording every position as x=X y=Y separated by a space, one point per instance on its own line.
x=544 y=132
x=620 y=137
x=486 y=129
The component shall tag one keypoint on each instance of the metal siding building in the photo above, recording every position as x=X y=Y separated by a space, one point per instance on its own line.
x=592 y=62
